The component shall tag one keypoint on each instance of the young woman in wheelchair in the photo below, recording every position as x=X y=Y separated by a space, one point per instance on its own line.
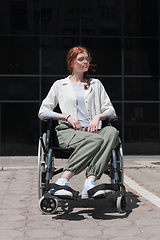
x=84 y=103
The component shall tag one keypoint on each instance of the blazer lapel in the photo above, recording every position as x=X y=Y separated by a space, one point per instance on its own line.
x=87 y=91
x=67 y=84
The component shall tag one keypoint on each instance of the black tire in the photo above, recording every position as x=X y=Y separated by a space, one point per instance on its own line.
x=48 y=205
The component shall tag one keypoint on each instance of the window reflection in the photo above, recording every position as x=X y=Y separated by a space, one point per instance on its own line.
x=141 y=56
x=118 y=124
x=101 y=17
x=47 y=83
x=141 y=89
x=19 y=17
x=106 y=53
x=113 y=87
x=19 y=88
x=141 y=128
x=19 y=129
x=20 y=55
x=60 y=16
x=141 y=18
x=54 y=51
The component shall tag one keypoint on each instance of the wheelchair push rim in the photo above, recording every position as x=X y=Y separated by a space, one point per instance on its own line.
x=41 y=165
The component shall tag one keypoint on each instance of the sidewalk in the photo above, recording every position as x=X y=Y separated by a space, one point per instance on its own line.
x=30 y=162
x=20 y=218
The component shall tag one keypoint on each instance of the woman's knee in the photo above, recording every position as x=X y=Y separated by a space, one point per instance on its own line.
x=98 y=140
x=110 y=132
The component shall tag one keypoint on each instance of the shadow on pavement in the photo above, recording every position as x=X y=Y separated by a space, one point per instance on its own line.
x=103 y=208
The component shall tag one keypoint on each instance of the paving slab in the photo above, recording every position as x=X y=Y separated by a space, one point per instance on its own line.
x=20 y=218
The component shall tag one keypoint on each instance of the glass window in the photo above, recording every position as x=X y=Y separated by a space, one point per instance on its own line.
x=60 y=17
x=19 y=88
x=19 y=17
x=141 y=56
x=101 y=18
x=54 y=51
x=141 y=128
x=118 y=124
x=47 y=83
x=141 y=89
x=19 y=129
x=141 y=18
x=20 y=55
x=106 y=53
x=113 y=87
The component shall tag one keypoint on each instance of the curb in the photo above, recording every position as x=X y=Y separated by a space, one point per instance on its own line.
x=17 y=168
x=35 y=168
x=141 y=166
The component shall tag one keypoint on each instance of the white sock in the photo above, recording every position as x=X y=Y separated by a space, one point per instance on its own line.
x=62 y=182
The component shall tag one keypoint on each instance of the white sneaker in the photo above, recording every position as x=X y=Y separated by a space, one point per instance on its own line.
x=90 y=183
x=62 y=192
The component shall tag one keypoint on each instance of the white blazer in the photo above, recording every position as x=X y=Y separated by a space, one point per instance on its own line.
x=96 y=99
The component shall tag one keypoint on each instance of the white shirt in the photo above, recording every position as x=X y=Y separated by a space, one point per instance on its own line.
x=82 y=116
x=96 y=100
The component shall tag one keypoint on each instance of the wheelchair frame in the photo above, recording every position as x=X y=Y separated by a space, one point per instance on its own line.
x=47 y=151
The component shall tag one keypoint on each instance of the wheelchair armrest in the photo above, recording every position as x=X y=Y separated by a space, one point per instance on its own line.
x=47 y=119
x=110 y=121
x=113 y=119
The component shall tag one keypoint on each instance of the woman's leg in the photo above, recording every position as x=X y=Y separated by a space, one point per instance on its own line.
x=100 y=161
x=67 y=175
x=93 y=151
x=86 y=145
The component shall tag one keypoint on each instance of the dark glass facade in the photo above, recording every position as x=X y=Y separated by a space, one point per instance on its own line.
x=123 y=37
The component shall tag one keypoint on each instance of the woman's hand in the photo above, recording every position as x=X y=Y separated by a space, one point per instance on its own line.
x=75 y=123
x=93 y=126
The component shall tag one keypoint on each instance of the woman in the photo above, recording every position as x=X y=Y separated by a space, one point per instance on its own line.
x=83 y=103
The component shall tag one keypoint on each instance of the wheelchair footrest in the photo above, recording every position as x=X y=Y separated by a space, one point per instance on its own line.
x=103 y=186
x=58 y=187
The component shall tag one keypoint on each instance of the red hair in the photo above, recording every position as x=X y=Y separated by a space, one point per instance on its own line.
x=71 y=55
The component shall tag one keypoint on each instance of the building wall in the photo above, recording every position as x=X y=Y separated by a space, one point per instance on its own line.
x=123 y=38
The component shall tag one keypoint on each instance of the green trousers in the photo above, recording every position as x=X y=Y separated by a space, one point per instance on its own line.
x=92 y=150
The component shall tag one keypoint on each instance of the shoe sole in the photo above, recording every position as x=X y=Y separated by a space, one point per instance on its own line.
x=63 y=194
x=96 y=195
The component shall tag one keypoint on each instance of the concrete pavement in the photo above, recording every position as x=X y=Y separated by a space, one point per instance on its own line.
x=20 y=218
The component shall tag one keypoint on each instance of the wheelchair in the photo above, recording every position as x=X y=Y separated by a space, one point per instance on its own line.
x=48 y=150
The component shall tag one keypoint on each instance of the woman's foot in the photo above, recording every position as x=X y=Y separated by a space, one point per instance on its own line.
x=62 y=192
x=90 y=183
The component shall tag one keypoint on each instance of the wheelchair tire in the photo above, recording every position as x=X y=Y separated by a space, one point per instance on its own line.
x=121 y=204
x=41 y=166
x=121 y=166
x=121 y=201
x=48 y=205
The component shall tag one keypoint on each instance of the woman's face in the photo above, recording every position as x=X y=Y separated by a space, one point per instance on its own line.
x=81 y=63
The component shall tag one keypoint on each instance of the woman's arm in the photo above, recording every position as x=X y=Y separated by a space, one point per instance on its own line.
x=75 y=123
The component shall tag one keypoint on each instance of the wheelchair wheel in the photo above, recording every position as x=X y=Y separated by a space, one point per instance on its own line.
x=48 y=205
x=41 y=166
x=121 y=204
x=120 y=163
x=121 y=201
